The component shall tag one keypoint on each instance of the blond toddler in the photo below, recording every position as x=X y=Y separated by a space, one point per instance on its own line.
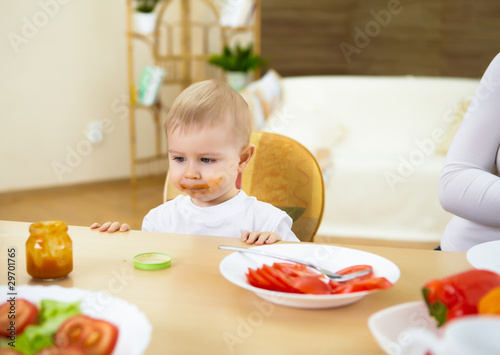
x=208 y=132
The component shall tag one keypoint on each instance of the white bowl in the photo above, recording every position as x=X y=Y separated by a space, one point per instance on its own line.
x=234 y=267
x=391 y=327
x=485 y=256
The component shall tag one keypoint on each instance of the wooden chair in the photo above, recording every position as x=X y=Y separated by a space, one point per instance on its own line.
x=285 y=174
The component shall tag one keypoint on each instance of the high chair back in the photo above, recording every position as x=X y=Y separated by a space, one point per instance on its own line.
x=285 y=174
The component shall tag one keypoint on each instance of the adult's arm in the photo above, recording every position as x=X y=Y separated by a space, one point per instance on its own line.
x=469 y=186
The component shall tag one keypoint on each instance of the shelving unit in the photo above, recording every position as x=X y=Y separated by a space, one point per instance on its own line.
x=186 y=33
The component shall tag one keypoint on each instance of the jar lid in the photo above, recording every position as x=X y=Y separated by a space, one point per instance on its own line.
x=152 y=261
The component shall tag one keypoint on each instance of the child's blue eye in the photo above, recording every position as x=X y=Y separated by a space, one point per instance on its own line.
x=207 y=160
x=179 y=159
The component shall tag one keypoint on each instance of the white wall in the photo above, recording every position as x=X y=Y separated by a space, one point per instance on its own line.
x=63 y=64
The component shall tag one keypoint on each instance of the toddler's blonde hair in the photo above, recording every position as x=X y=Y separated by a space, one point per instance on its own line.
x=210 y=103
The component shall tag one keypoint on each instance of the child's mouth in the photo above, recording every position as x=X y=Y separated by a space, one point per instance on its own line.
x=201 y=188
x=195 y=188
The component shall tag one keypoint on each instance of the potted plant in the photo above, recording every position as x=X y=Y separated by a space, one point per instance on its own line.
x=144 y=16
x=237 y=63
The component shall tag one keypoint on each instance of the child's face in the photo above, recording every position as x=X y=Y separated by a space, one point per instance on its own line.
x=205 y=163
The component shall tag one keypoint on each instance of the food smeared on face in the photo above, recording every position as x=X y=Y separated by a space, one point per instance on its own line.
x=198 y=189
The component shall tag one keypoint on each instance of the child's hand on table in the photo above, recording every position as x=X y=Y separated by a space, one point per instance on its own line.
x=260 y=237
x=111 y=227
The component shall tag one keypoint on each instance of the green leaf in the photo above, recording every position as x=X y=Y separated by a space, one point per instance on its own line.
x=51 y=312
x=146 y=6
x=31 y=341
x=237 y=59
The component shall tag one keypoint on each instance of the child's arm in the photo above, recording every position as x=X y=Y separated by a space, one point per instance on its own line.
x=111 y=227
x=260 y=237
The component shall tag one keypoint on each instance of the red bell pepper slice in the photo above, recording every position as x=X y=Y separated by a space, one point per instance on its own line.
x=356 y=285
x=459 y=294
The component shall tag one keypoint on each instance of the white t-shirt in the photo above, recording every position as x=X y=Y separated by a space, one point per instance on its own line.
x=470 y=186
x=228 y=219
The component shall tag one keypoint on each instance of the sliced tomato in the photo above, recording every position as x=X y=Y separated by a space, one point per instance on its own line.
x=374 y=283
x=257 y=280
x=282 y=282
x=356 y=268
x=282 y=277
x=94 y=336
x=297 y=278
x=311 y=284
x=335 y=284
x=20 y=311
x=251 y=279
x=294 y=269
x=276 y=284
x=67 y=350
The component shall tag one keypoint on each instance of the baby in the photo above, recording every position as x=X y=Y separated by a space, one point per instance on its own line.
x=208 y=132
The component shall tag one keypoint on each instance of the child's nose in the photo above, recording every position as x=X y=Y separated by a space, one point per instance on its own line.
x=191 y=173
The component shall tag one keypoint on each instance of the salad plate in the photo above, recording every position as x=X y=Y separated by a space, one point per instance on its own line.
x=485 y=256
x=235 y=266
x=134 y=327
x=394 y=327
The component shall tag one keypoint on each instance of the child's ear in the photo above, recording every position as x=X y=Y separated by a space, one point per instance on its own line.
x=245 y=156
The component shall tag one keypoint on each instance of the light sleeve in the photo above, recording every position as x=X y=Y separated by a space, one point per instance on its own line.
x=469 y=185
x=284 y=229
x=147 y=226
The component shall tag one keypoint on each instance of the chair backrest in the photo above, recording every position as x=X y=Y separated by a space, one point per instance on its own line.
x=285 y=174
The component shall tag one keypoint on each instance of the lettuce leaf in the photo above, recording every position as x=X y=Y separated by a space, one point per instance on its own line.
x=32 y=341
x=52 y=314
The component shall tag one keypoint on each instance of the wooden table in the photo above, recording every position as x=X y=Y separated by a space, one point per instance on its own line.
x=194 y=310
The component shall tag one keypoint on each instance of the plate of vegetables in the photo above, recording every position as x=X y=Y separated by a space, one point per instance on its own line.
x=56 y=320
x=473 y=293
x=295 y=285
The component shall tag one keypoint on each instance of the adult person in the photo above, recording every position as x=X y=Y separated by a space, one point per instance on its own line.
x=469 y=186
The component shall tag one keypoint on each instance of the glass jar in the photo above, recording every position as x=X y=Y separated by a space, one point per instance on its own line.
x=49 y=251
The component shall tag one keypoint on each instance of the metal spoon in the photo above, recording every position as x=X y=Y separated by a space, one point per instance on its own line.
x=327 y=273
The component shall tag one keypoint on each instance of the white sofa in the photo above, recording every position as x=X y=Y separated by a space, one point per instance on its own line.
x=382 y=142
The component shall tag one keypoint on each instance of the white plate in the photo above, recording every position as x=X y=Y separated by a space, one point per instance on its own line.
x=234 y=267
x=485 y=256
x=134 y=328
x=392 y=327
